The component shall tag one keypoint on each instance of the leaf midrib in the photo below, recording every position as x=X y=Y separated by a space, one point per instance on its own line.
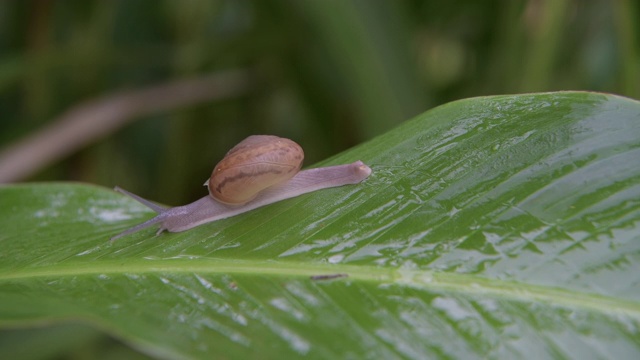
x=466 y=284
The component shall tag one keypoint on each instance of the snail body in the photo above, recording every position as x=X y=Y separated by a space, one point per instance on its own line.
x=260 y=170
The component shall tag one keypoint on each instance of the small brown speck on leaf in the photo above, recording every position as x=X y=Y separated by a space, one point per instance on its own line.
x=328 y=277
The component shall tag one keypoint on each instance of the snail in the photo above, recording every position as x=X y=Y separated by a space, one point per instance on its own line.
x=260 y=170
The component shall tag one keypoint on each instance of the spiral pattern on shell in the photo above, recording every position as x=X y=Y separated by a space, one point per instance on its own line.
x=256 y=163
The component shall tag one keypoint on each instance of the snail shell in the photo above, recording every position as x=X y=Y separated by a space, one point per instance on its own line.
x=256 y=163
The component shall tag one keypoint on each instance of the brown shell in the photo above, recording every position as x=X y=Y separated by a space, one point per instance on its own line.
x=256 y=163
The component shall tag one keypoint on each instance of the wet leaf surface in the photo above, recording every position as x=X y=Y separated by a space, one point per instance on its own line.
x=505 y=226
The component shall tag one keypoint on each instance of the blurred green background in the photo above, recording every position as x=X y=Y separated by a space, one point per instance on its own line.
x=329 y=74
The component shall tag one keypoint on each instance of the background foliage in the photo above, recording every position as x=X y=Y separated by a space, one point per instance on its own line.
x=328 y=74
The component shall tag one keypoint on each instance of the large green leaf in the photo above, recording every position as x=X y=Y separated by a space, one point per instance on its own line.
x=505 y=226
